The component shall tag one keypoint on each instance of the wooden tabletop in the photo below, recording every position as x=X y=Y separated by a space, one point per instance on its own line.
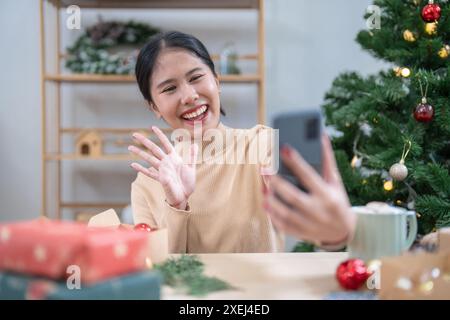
x=270 y=276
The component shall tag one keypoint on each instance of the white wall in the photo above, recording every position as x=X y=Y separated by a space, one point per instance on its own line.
x=308 y=44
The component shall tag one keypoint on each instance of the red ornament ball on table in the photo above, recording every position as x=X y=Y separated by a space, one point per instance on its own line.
x=143 y=227
x=431 y=12
x=424 y=112
x=351 y=274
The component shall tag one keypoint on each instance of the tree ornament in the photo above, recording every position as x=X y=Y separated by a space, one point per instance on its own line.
x=423 y=112
x=409 y=36
x=352 y=273
x=388 y=185
x=402 y=72
x=356 y=161
x=399 y=171
x=444 y=52
x=143 y=227
x=431 y=12
x=431 y=28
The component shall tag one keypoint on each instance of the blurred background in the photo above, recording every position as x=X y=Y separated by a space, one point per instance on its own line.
x=306 y=44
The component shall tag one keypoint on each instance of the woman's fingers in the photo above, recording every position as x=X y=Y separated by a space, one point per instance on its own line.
x=289 y=193
x=149 y=172
x=302 y=170
x=168 y=147
x=145 y=156
x=150 y=145
x=287 y=219
x=330 y=169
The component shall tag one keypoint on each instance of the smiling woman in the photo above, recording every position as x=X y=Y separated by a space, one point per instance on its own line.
x=208 y=206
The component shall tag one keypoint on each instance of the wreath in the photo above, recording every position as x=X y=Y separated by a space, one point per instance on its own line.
x=105 y=47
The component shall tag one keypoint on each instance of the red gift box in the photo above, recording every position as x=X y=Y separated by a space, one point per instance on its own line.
x=59 y=249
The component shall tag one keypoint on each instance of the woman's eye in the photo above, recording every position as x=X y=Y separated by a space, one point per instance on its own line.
x=169 y=89
x=196 y=77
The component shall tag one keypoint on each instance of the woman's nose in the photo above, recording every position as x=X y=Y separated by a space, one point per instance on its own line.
x=189 y=95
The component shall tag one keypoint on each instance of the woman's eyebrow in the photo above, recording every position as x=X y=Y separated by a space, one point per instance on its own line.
x=171 y=79
x=192 y=71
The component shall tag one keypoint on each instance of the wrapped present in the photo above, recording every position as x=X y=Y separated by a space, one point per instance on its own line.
x=416 y=276
x=48 y=248
x=158 y=239
x=137 y=286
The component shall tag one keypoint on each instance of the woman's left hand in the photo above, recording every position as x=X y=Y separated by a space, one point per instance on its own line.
x=321 y=216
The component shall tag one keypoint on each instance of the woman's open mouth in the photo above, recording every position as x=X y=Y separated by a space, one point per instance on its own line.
x=197 y=114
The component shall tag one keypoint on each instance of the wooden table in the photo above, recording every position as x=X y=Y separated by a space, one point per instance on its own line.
x=270 y=275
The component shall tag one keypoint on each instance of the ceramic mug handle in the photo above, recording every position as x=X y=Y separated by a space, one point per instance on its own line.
x=411 y=217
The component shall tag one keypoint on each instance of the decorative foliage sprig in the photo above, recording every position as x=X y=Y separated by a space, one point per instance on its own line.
x=186 y=273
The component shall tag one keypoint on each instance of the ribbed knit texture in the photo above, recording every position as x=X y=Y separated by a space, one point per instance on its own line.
x=225 y=212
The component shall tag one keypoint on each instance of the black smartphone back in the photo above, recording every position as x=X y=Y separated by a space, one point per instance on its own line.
x=302 y=130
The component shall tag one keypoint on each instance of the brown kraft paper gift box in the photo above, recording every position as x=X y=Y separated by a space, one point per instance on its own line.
x=418 y=275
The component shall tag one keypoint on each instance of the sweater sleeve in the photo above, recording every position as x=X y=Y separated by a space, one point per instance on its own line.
x=157 y=213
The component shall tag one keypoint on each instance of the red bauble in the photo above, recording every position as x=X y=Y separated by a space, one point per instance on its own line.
x=431 y=12
x=351 y=274
x=143 y=227
x=424 y=112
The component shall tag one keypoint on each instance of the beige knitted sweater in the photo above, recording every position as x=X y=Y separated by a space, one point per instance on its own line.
x=224 y=213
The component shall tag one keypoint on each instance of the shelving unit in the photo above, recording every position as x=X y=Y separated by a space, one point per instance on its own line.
x=52 y=76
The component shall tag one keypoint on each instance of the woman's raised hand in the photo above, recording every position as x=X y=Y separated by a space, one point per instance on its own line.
x=323 y=215
x=166 y=166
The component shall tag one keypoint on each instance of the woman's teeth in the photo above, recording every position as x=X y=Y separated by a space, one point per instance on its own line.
x=196 y=113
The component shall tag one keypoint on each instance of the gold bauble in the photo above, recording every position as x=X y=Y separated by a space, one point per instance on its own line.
x=408 y=36
x=431 y=28
x=443 y=53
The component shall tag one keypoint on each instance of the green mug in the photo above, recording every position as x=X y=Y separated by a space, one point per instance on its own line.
x=381 y=231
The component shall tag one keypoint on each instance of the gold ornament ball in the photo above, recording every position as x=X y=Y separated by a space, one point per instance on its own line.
x=431 y=28
x=408 y=36
x=398 y=171
x=443 y=53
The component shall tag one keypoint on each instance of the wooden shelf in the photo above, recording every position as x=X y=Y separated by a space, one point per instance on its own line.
x=73 y=156
x=113 y=78
x=164 y=4
x=79 y=205
x=112 y=130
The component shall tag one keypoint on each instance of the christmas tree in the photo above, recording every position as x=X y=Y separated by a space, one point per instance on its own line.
x=392 y=140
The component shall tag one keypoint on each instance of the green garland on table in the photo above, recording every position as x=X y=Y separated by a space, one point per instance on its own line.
x=186 y=273
x=91 y=53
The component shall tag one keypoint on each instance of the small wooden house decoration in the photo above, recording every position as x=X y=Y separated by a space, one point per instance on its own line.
x=89 y=144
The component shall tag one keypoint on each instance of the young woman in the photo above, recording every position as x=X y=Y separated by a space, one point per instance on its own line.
x=210 y=206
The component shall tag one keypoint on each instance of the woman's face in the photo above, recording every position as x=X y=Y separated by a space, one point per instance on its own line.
x=184 y=90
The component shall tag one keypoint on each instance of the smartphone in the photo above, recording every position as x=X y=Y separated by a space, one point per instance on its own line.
x=302 y=130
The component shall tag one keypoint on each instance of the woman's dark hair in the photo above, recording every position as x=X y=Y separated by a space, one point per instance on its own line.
x=171 y=39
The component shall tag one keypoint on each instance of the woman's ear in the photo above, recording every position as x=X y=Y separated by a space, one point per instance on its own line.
x=155 y=109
